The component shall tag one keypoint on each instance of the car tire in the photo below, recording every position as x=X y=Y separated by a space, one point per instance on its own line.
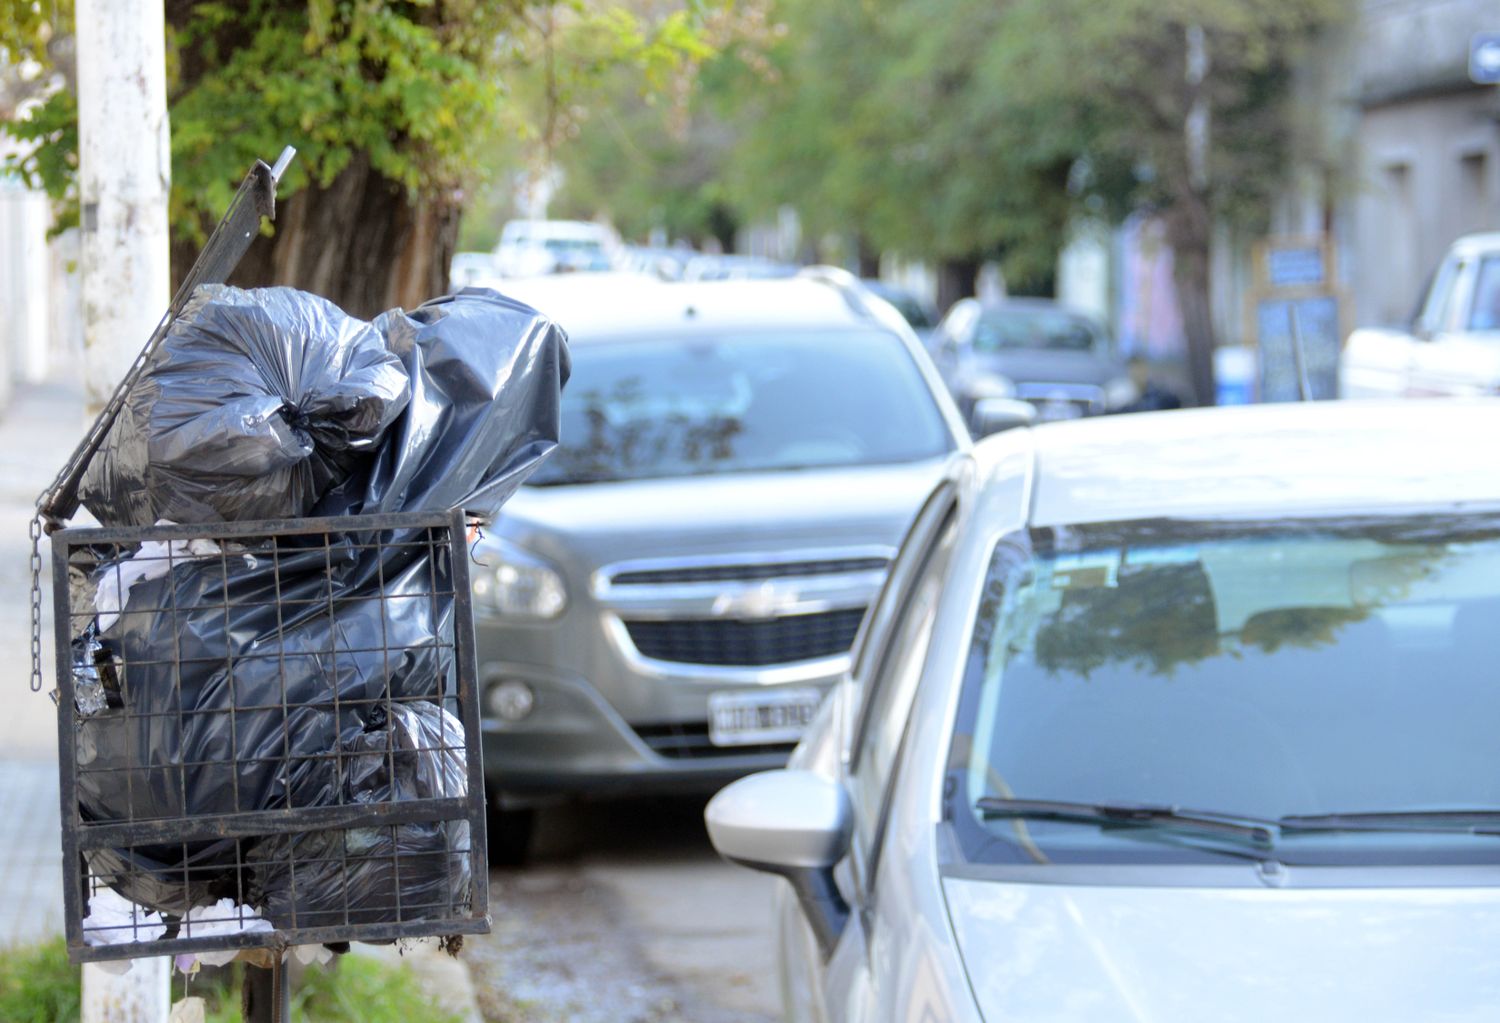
x=509 y=832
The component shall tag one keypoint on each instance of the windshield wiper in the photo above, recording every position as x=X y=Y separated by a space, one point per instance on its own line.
x=1479 y=822
x=1255 y=831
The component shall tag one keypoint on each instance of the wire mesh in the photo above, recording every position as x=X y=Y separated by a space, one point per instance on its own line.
x=269 y=735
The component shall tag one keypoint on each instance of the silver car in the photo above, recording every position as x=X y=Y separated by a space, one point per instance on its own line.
x=666 y=601
x=1172 y=717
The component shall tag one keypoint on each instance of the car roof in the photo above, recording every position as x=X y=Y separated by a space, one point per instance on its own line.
x=1477 y=244
x=1257 y=461
x=619 y=304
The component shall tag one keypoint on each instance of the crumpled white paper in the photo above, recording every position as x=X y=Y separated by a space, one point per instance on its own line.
x=224 y=917
x=309 y=955
x=115 y=920
x=150 y=562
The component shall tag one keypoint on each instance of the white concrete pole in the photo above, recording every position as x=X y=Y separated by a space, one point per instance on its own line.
x=124 y=171
x=124 y=175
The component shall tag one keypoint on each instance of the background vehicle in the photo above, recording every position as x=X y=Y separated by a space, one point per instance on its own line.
x=734 y=267
x=1030 y=349
x=664 y=603
x=528 y=248
x=918 y=314
x=470 y=268
x=1452 y=345
x=1172 y=716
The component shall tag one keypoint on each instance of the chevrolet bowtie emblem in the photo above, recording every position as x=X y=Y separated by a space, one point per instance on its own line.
x=768 y=600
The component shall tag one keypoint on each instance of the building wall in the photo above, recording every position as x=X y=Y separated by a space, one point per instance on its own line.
x=1428 y=165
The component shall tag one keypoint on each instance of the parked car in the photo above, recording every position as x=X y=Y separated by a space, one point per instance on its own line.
x=917 y=312
x=1033 y=350
x=735 y=267
x=469 y=268
x=530 y=248
x=1175 y=717
x=1452 y=344
x=665 y=602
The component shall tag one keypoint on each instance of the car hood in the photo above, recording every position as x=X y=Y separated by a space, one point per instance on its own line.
x=1024 y=366
x=594 y=524
x=1052 y=952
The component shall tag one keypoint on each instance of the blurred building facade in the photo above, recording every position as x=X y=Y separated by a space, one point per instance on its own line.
x=1395 y=153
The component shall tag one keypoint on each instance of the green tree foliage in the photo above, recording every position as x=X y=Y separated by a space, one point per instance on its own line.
x=393 y=106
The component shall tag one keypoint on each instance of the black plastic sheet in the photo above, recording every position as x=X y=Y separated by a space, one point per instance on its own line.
x=361 y=875
x=255 y=405
x=486 y=374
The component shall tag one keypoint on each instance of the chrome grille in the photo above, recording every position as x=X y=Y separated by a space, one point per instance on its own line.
x=746 y=572
x=722 y=641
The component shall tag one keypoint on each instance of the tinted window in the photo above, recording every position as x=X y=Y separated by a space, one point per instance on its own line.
x=1055 y=329
x=687 y=406
x=1257 y=671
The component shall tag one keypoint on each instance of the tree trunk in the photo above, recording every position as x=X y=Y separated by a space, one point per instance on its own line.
x=363 y=243
x=867 y=256
x=1189 y=233
x=956 y=279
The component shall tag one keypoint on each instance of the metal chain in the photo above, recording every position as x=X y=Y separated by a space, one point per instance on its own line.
x=36 y=604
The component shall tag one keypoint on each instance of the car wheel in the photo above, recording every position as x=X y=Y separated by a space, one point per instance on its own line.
x=509 y=832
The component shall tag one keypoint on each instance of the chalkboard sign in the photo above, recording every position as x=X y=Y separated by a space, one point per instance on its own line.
x=1318 y=322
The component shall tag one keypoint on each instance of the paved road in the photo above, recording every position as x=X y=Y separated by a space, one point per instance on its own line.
x=627 y=916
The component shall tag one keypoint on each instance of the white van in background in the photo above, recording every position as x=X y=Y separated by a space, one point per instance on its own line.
x=530 y=248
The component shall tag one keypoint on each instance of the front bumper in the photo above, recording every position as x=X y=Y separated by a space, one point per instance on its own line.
x=574 y=741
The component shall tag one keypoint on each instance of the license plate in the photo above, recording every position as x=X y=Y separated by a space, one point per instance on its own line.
x=753 y=718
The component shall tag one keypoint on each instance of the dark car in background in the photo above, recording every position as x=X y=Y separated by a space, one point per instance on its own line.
x=919 y=314
x=1034 y=350
x=665 y=602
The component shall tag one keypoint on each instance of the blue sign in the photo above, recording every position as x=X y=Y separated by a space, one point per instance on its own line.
x=1484 y=58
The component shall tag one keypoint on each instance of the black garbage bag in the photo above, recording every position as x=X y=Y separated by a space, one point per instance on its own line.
x=486 y=374
x=240 y=674
x=405 y=872
x=256 y=404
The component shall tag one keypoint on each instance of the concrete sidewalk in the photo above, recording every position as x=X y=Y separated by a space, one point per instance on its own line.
x=38 y=432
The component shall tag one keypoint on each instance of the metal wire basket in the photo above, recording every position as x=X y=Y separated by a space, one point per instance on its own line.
x=269 y=735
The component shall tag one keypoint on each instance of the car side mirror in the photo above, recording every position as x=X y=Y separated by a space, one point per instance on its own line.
x=795 y=824
x=992 y=415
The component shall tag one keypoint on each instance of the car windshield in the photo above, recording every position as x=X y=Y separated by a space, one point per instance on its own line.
x=1053 y=329
x=690 y=405
x=1252 y=672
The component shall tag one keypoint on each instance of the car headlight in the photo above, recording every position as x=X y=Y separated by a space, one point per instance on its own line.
x=1120 y=392
x=514 y=583
x=991 y=385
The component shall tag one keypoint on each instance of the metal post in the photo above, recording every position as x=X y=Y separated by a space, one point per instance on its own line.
x=266 y=994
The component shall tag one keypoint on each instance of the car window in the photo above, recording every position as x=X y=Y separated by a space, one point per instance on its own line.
x=891 y=686
x=1033 y=329
x=1436 y=299
x=696 y=404
x=1250 y=671
x=1485 y=314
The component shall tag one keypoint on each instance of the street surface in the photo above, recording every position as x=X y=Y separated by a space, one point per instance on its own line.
x=626 y=915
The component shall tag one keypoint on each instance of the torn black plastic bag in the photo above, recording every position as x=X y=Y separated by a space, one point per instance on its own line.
x=255 y=405
x=374 y=874
x=244 y=674
x=486 y=374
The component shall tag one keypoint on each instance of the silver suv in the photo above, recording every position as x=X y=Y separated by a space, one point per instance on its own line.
x=665 y=602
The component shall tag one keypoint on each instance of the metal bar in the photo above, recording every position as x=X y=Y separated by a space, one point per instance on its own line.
x=261 y=528
x=74 y=875
x=282 y=939
x=466 y=667
x=266 y=994
x=256 y=823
